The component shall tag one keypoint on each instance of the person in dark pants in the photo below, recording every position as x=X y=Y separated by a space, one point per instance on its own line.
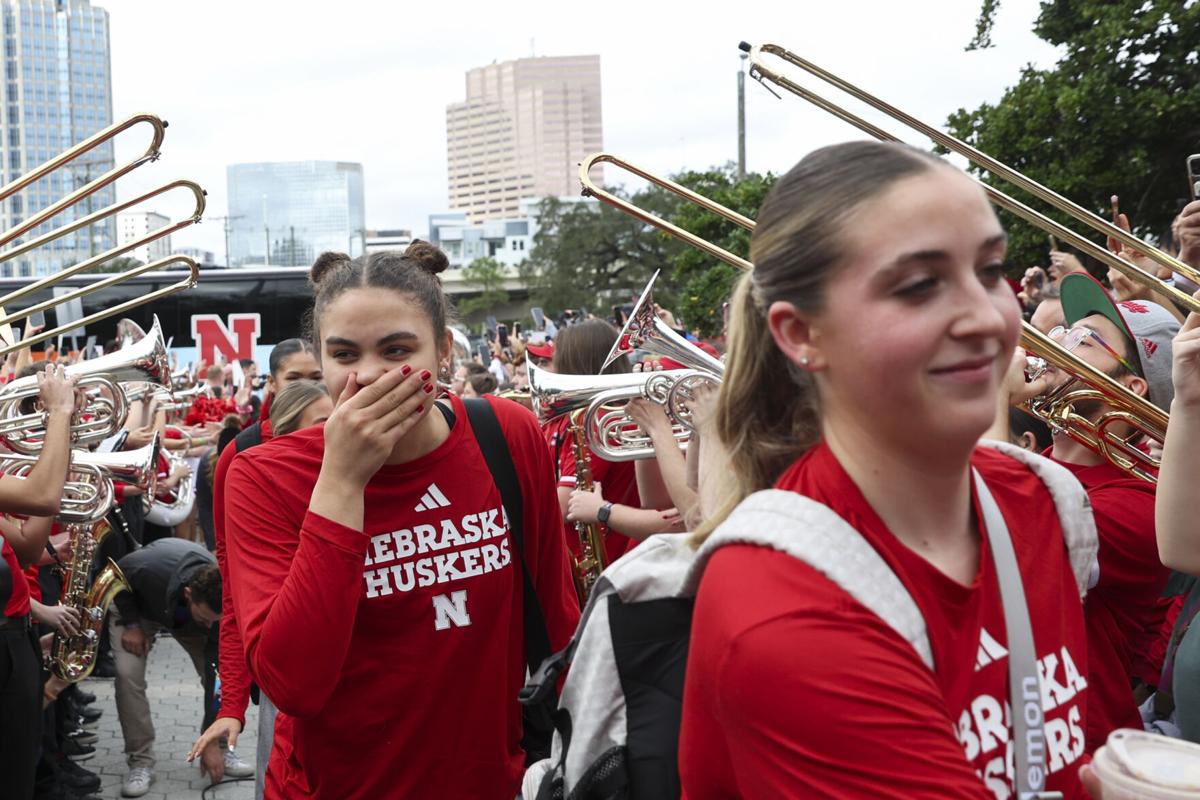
x=175 y=587
x=39 y=494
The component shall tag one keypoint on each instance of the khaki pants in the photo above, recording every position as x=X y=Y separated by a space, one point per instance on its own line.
x=133 y=708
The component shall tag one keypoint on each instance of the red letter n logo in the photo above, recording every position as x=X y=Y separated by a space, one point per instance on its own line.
x=211 y=336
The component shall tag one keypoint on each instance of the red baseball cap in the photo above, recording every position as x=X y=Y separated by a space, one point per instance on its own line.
x=541 y=350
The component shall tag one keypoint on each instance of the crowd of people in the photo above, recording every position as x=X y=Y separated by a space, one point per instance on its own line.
x=387 y=529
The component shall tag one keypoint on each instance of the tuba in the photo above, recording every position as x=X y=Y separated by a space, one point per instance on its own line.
x=145 y=362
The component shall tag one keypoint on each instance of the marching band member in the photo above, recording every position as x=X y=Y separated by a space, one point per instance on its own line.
x=38 y=495
x=867 y=349
x=1130 y=342
x=376 y=582
x=291 y=360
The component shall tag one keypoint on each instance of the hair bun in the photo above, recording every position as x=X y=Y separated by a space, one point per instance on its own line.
x=326 y=263
x=427 y=257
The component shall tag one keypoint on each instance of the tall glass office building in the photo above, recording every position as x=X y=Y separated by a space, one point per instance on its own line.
x=58 y=91
x=286 y=213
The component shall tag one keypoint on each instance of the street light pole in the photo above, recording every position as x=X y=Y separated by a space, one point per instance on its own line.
x=741 y=84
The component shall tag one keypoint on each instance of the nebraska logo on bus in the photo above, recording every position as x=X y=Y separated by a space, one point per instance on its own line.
x=212 y=335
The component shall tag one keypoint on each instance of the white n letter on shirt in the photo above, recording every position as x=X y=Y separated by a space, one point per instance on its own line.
x=451 y=610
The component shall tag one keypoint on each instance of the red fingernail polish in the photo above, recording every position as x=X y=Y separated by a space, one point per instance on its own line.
x=405 y=370
x=426 y=374
x=420 y=408
x=428 y=389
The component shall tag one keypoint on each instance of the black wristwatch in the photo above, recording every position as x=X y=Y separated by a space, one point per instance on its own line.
x=604 y=513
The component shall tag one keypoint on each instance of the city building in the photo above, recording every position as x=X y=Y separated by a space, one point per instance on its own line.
x=286 y=213
x=205 y=258
x=394 y=239
x=521 y=132
x=508 y=241
x=133 y=225
x=58 y=92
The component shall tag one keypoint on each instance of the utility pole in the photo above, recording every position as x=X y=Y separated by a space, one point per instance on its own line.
x=267 y=234
x=741 y=83
x=226 y=225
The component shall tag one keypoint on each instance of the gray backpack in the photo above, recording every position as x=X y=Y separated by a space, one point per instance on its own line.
x=617 y=724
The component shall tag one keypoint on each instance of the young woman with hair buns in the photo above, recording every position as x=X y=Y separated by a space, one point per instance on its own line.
x=867 y=348
x=376 y=582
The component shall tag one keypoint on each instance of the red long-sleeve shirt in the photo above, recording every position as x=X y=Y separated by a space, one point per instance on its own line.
x=1125 y=610
x=795 y=690
x=395 y=654
x=231 y=659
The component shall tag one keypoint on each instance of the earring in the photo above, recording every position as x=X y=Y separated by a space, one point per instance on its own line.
x=804 y=361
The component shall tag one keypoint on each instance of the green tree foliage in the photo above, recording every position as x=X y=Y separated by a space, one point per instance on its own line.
x=488 y=275
x=706 y=282
x=118 y=264
x=593 y=256
x=590 y=255
x=1118 y=114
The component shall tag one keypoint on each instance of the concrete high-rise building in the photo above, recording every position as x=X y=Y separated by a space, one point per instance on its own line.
x=133 y=225
x=286 y=213
x=58 y=91
x=521 y=133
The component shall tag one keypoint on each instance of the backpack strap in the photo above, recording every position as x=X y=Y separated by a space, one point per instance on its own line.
x=251 y=437
x=499 y=461
x=1074 y=511
x=815 y=534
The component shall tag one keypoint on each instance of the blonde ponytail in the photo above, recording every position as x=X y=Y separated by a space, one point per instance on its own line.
x=767 y=412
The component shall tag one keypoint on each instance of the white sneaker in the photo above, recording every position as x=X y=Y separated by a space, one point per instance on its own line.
x=235 y=767
x=137 y=782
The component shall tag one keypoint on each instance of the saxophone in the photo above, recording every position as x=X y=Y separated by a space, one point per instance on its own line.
x=72 y=658
x=593 y=557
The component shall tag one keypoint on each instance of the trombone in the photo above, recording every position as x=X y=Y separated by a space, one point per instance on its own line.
x=1056 y=407
x=761 y=72
x=64 y=160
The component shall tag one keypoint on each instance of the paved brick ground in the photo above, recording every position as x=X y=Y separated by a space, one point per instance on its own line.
x=175 y=698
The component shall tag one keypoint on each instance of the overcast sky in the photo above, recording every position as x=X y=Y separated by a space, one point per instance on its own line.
x=369 y=81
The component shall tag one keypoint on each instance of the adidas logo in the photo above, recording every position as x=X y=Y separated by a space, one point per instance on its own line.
x=989 y=650
x=433 y=498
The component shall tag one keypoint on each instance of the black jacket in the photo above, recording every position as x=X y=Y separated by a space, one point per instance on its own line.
x=157 y=574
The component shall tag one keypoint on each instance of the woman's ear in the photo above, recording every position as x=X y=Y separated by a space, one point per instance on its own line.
x=794 y=336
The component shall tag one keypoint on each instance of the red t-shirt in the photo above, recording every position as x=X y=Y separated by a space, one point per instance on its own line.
x=1125 y=610
x=32 y=574
x=235 y=674
x=395 y=657
x=796 y=690
x=18 y=601
x=618 y=484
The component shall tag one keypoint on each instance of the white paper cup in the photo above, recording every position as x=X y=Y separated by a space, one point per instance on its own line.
x=1135 y=765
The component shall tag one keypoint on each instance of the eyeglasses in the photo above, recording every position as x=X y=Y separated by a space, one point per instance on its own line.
x=1070 y=338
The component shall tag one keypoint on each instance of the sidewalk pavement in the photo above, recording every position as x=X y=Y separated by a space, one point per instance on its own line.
x=176 y=697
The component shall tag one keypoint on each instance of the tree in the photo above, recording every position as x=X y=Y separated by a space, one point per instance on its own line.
x=590 y=255
x=118 y=264
x=1118 y=113
x=707 y=282
x=488 y=274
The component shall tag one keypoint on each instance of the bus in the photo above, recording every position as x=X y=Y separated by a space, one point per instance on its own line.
x=229 y=314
